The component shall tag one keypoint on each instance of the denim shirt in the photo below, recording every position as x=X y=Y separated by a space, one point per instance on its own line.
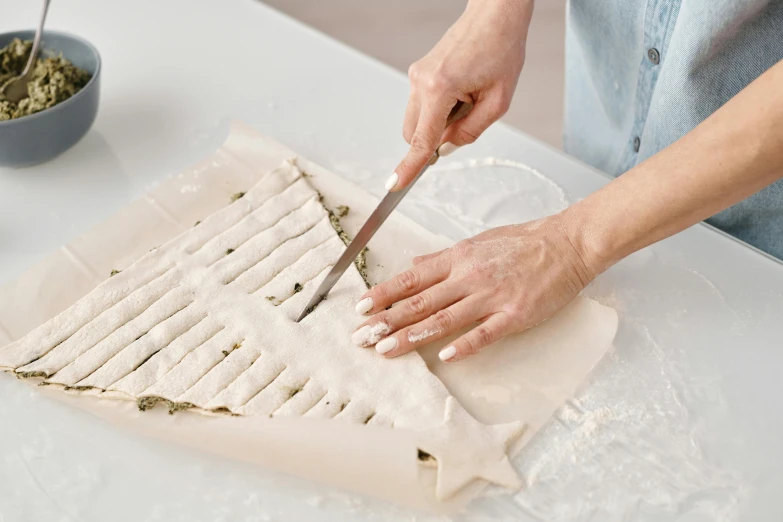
x=641 y=74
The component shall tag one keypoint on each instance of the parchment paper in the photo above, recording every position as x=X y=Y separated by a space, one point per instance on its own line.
x=526 y=376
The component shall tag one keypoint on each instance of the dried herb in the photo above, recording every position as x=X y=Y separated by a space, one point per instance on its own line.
x=179 y=406
x=237 y=196
x=361 y=259
x=147 y=403
x=229 y=251
x=235 y=347
x=310 y=310
x=342 y=210
x=78 y=388
x=425 y=457
x=270 y=298
x=31 y=375
x=225 y=411
x=298 y=288
x=54 y=80
x=197 y=223
x=114 y=272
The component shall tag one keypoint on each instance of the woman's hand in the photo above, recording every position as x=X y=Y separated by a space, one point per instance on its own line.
x=479 y=60
x=502 y=281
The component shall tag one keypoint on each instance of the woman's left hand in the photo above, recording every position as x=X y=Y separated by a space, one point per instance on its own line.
x=502 y=281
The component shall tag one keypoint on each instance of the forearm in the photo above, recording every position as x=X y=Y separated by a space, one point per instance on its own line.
x=521 y=10
x=733 y=154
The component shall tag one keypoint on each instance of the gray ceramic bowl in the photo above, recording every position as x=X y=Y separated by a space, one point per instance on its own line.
x=44 y=135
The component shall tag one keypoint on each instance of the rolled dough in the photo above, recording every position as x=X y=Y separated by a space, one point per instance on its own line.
x=206 y=322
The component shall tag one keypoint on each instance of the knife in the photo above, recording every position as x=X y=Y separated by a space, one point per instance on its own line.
x=374 y=222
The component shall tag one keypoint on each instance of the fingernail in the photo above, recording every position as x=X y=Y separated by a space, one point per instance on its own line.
x=364 y=306
x=392 y=181
x=386 y=345
x=447 y=148
x=447 y=353
x=370 y=335
x=361 y=336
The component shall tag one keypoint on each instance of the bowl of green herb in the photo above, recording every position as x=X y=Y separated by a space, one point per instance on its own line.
x=62 y=97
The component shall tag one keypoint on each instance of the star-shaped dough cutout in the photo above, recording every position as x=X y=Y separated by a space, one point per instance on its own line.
x=467 y=449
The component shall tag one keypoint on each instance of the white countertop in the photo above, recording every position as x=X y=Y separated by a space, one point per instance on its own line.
x=681 y=421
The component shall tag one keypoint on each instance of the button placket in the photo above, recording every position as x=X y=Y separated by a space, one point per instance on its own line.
x=660 y=17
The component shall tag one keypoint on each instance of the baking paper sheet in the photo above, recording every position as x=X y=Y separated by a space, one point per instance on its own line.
x=526 y=376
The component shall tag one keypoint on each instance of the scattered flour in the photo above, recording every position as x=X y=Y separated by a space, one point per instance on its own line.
x=495 y=394
x=189 y=188
x=500 y=162
x=370 y=335
x=465 y=198
x=316 y=501
x=415 y=338
x=632 y=448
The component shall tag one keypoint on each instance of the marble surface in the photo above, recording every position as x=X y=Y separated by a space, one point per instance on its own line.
x=679 y=422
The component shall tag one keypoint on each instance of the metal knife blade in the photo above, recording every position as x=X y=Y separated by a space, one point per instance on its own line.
x=374 y=222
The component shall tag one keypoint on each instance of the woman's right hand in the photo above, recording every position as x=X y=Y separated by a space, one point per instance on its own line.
x=478 y=60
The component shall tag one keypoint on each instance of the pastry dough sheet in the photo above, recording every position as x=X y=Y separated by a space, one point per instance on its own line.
x=526 y=377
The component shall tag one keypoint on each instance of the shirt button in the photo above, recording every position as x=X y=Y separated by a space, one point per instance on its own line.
x=653 y=55
x=636 y=144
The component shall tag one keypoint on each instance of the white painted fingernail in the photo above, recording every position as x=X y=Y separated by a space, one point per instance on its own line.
x=370 y=335
x=392 y=181
x=364 y=306
x=447 y=148
x=386 y=345
x=447 y=353
x=361 y=336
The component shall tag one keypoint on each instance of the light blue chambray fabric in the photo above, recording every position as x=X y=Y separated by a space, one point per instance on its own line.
x=708 y=51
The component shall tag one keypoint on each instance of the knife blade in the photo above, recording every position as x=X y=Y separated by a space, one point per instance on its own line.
x=373 y=223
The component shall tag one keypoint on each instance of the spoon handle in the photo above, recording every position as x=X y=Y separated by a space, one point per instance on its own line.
x=36 y=41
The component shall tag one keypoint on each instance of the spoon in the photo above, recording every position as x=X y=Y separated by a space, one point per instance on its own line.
x=15 y=89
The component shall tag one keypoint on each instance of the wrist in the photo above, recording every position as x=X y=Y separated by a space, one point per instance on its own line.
x=589 y=239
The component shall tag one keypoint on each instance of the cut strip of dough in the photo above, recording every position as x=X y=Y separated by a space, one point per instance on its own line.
x=309 y=222
x=287 y=254
x=129 y=359
x=103 y=325
x=263 y=371
x=293 y=278
x=222 y=375
x=193 y=366
x=304 y=400
x=281 y=389
x=260 y=220
x=88 y=362
x=164 y=360
x=265 y=189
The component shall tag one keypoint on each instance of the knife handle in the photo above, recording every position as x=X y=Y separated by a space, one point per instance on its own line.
x=459 y=111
